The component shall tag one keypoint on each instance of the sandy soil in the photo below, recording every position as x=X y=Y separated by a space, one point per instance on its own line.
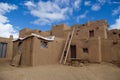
x=104 y=71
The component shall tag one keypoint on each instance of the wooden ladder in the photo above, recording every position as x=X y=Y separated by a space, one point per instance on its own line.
x=67 y=47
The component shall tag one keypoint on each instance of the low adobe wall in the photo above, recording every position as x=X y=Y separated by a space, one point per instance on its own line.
x=110 y=50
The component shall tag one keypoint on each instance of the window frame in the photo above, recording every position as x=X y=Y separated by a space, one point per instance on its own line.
x=91 y=33
x=43 y=44
x=85 y=50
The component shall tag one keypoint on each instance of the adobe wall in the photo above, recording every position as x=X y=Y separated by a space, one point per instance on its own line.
x=49 y=55
x=9 y=50
x=26 y=51
x=26 y=32
x=94 y=49
x=114 y=34
x=23 y=32
x=99 y=27
x=110 y=50
x=60 y=30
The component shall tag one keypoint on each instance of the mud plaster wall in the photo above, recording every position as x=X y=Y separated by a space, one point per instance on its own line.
x=94 y=49
x=110 y=50
x=82 y=31
x=9 y=50
x=114 y=34
x=60 y=31
x=49 y=55
x=26 y=32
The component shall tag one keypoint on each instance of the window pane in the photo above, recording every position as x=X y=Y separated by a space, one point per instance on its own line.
x=43 y=44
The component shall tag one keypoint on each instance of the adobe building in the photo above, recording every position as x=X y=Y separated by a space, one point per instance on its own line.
x=6 y=48
x=36 y=50
x=91 y=42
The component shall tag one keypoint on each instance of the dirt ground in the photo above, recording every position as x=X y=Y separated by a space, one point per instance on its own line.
x=103 y=71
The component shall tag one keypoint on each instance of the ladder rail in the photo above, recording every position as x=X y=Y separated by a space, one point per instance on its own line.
x=61 y=59
x=69 y=45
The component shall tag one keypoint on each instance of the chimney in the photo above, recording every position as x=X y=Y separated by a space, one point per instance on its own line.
x=11 y=37
x=88 y=23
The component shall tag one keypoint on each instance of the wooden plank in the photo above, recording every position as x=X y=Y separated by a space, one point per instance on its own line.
x=17 y=57
x=16 y=60
x=68 y=47
x=61 y=59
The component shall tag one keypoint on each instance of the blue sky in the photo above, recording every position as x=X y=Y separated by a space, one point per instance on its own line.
x=42 y=14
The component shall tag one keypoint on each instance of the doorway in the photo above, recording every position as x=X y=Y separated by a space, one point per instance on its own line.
x=3 y=48
x=73 y=51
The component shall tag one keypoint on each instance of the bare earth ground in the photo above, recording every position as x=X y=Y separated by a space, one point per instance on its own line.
x=104 y=71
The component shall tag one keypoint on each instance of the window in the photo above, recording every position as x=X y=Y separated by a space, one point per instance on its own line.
x=39 y=31
x=114 y=33
x=119 y=35
x=76 y=33
x=91 y=33
x=78 y=30
x=44 y=44
x=3 y=48
x=85 y=50
x=83 y=24
x=115 y=42
x=97 y=28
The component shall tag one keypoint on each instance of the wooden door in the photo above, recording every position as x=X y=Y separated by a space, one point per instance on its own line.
x=73 y=51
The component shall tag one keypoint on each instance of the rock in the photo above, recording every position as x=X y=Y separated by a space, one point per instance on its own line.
x=81 y=64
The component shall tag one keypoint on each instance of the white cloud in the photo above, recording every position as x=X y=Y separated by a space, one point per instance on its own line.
x=99 y=3
x=116 y=25
x=116 y=11
x=87 y=3
x=96 y=7
x=77 y=3
x=63 y=2
x=113 y=2
x=3 y=19
x=48 y=12
x=5 y=7
x=30 y=4
x=82 y=16
x=116 y=2
x=102 y=1
x=6 y=29
x=42 y=22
